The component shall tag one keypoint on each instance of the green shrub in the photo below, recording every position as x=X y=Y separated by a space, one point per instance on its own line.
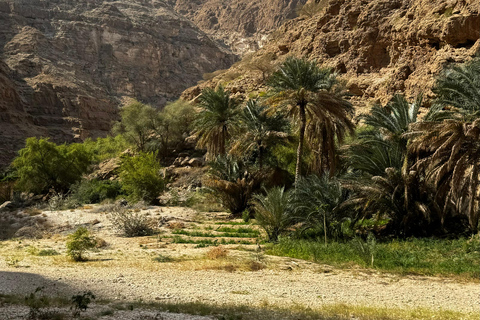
x=42 y=165
x=233 y=183
x=272 y=212
x=95 y=191
x=80 y=302
x=131 y=223
x=107 y=148
x=140 y=177
x=79 y=242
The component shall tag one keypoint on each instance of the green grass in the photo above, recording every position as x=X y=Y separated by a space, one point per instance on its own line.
x=460 y=257
x=234 y=223
x=207 y=242
x=254 y=234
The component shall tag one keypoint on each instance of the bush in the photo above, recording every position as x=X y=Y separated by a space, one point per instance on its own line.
x=42 y=165
x=272 y=212
x=140 y=177
x=233 y=184
x=78 y=243
x=131 y=223
x=95 y=191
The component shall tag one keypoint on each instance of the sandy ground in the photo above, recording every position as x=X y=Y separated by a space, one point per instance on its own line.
x=125 y=271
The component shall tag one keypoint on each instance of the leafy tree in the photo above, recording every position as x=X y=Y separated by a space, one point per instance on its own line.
x=174 y=124
x=42 y=165
x=272 y=211
x=140 y=177
x=323 y=115
x=217 y=120
x=259 y=131
x=137 y=124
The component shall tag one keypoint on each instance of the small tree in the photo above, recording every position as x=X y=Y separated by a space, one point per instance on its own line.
x=137 y=124
x=42 y=165
x=140 y=176
x=79 y=242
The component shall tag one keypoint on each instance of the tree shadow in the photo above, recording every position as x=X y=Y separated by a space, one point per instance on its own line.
x=23 y=283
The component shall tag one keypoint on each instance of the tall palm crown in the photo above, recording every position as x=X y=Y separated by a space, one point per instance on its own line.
x=217 y=120
x=306 y=91
x=260 y=130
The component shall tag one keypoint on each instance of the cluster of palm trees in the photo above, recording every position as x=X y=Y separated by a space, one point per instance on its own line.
x=421 y=175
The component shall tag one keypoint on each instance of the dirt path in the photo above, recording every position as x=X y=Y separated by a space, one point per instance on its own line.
x=125 y=271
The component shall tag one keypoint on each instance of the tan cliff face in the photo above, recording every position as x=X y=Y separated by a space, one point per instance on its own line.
x=378 y=47
x=66 y=64
x=242 y=25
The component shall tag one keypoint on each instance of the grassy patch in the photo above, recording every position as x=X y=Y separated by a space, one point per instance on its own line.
x=460 y=257
x=208 y=242
x=202 y=234
x=233 y=223
x=267 y=311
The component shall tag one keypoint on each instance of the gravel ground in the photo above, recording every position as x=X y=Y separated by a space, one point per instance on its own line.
x=125 y=272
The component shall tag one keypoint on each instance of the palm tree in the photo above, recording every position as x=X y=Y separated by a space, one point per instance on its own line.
x=317 y=204
x=217 y=120
x=449 y=153
x=459 y=89
x=306 y=91
x=380 y=174
x=260 y=131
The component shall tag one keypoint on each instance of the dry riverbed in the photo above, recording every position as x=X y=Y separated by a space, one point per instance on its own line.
x=154 y=269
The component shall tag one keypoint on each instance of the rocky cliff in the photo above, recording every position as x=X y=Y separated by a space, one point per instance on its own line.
x=241 y=25
x=378 y=47
x=66 y=64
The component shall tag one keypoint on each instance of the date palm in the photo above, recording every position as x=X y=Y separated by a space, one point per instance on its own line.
x=458 y=91
x=307 y=92
x=259 y=131
x=217 y=120
x=449 y=153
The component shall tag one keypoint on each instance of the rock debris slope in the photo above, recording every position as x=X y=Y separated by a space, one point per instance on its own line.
x=378 y=46
x=242 y=25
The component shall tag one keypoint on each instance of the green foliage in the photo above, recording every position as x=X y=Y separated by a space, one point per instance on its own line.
x=233 y=183
x=141 y=178
x=314 y=100
x=272 y=212
x=107 y=148
x=137 y=124
x=217 y=121
x=130 y=222
x=459 y=87
x=259 y=132
x=42 y=165
x=174 y=125
x=80 y=302
x=318 y=205
x=95 y=191
x=412 y=256
x=78 y=243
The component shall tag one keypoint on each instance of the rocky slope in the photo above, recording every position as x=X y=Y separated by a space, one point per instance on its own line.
x=241 y=25
x=378 y=46
x=66 y=64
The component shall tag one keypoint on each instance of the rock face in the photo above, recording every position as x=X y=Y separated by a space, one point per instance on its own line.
x=378 y=46
x=242 y=25
x=66 y=64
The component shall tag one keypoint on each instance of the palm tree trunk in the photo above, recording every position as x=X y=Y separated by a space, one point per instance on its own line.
x=260 y=157
x=303 y=125
x=473 y=212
